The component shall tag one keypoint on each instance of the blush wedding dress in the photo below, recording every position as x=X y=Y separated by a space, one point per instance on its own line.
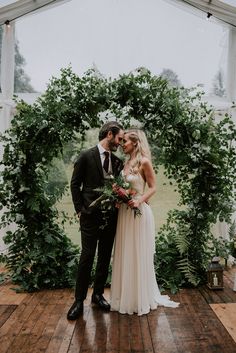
x=133 y=286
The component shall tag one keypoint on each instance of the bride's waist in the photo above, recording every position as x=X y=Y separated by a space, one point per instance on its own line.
x=137 y=196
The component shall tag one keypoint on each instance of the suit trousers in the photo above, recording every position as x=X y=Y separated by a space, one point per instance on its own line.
x=94 y=238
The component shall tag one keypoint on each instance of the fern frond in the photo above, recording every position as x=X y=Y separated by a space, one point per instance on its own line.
x=189 y=271
x=181 y=242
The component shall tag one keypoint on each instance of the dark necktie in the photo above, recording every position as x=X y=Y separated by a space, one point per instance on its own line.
x=106 y=161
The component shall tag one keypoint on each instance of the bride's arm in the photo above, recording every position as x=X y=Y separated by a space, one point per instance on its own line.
x=148 y=174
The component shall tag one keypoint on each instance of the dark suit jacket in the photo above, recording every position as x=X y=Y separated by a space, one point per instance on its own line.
x=87 y=176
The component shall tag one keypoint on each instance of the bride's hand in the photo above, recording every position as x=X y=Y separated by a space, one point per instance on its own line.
x=133 y=203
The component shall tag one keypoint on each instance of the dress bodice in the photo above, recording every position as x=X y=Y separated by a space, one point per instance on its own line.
x=136 y=182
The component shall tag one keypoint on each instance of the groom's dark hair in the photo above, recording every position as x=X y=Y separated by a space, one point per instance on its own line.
x=112 y=126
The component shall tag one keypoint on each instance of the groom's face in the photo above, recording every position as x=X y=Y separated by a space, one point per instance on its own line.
x=114 y=141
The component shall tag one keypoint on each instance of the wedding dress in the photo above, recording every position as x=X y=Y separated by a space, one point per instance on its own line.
x=133 y=287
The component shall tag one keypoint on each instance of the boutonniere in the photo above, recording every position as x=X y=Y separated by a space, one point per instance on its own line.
x=118 y=165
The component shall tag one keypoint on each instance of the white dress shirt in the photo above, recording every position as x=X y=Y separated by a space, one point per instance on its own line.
x=102 y=156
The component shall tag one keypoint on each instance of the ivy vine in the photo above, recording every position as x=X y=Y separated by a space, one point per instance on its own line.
x=197 y=152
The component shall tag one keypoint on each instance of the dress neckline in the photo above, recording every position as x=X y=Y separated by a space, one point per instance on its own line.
x=132 y=174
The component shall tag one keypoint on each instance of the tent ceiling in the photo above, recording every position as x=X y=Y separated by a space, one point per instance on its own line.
x=16 y=9
x=229 y=2
x=6 y=2
x=220 y=10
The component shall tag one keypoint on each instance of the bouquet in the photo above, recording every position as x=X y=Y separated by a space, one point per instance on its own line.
x=124 y=195
x=113 y=193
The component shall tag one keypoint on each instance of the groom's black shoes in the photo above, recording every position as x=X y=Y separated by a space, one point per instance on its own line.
x=76 y=310
x=101 y=302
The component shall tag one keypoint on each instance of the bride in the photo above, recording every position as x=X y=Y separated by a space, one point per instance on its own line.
x=133 y=287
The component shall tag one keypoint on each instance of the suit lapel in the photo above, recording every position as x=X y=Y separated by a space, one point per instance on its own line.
x=97 y=158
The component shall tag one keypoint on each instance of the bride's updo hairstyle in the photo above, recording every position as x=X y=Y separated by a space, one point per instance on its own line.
x=141 y=148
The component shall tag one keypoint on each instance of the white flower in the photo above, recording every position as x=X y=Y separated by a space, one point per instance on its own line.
x=23 y=188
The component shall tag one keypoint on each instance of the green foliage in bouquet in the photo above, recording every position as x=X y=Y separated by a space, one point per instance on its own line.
x=116 y=190
x=196 y=150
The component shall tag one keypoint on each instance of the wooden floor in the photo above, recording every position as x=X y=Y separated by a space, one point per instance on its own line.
x=36 y=323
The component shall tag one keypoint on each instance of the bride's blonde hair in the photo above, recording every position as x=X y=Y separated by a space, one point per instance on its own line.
x=141 y=148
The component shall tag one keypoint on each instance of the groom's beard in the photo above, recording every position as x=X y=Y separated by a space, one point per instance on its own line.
x=112 y=145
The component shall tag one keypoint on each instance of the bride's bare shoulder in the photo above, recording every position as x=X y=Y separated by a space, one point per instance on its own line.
x=145 y=162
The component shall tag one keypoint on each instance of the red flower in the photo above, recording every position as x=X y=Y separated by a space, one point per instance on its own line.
x=115 y=191
x=125 y=196
x=121 y=193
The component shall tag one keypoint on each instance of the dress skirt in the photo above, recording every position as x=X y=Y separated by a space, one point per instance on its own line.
x=134 y=287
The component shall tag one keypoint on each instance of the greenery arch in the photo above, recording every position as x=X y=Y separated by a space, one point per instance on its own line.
x=197 y=152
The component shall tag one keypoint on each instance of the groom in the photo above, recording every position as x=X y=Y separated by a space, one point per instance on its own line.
x=90 y=171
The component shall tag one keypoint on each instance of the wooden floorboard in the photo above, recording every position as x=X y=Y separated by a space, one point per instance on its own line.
x=5 y=313
x=226 y=312
x=36 y=323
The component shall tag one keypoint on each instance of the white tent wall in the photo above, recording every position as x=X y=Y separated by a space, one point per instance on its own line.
x=8 y=15
x=219 y=11
x=231 y=65
x=224 y=14
x=7 y=88
x=221 y=229
x=7 y=75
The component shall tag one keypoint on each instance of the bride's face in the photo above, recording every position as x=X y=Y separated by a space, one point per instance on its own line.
x=128 y=145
